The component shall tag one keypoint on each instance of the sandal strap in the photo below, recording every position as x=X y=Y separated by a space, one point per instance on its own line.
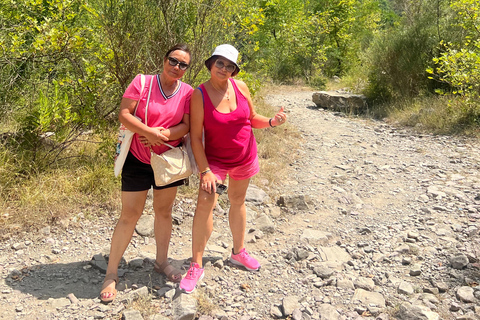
x=110 y=276
x=167 y=269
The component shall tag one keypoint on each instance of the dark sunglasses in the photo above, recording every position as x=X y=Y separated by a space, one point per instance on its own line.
x=229 y=67
x=173 y=62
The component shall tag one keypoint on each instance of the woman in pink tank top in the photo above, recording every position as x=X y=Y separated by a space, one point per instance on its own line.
x=222 y=113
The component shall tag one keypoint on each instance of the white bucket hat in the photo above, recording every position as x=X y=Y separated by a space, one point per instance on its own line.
x=228 y=52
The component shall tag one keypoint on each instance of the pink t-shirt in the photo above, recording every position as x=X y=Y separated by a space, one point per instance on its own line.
x=163 y=111
x=229 y=139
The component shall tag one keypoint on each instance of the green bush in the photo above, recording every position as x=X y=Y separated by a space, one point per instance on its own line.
x=398 y=61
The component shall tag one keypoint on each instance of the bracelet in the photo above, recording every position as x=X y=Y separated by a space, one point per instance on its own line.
x=270 y=122
x=204 y=172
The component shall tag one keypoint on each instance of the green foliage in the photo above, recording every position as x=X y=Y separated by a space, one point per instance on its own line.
x=398 y=57
x=459 y=64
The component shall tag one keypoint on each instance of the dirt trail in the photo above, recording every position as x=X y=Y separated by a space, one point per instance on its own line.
x=371 y=208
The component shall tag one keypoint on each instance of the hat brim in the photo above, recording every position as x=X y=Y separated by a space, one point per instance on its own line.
x=210 y=60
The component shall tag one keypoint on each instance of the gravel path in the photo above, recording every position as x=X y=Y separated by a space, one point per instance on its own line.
x=372 y=222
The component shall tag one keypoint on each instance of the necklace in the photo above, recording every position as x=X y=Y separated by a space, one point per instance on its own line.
x=226 y=94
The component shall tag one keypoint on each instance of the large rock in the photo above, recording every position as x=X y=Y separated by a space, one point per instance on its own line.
x=369 y=298
x=315 y=236
x=298 y=202
x=264 y=224
x=145 y=225
x=465 y=294
x=340 y=101
x=459 y=261
x=289 y=304
x=333 y=257
x=184 y=307
x=328 y=312
x=256 y=195
x=408 y=311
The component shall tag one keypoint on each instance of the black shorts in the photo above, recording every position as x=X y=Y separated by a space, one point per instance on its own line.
x=138 y=176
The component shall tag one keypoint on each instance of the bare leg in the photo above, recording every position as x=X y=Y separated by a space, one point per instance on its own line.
x=202 y=224
x=237 y=215
x=162 y=205
x=132 y=208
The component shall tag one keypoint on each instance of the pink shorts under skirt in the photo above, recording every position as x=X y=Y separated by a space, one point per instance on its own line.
x=237 y=173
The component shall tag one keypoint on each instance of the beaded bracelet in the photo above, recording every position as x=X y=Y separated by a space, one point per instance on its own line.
x=204 y=172
x=270 y=122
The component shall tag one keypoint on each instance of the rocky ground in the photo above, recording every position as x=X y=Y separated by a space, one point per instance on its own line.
x=372 y=222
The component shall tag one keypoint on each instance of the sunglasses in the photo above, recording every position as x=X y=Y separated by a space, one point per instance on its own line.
x=181 y=65
x=229 y=67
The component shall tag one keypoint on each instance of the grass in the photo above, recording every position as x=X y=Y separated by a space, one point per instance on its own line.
x=434 y=114
x=276 y=147
x=425 y=113
x=83 y=181
x=32 y=198
x=204 y=304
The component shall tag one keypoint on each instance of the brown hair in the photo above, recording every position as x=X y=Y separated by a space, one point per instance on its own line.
x=179 y=46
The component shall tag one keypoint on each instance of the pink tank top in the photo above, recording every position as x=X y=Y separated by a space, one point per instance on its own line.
x=229 y=139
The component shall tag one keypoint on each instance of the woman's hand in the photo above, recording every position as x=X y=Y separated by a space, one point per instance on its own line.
x=208 y=182
x=156 y=137
x=280 y=118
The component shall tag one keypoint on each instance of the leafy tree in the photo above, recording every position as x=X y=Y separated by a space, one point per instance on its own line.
x=49 y=74
x=459 y=64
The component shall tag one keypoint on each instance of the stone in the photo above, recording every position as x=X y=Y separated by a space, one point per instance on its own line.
x=408 y=311
x=136 y=294
x=136 y=263
x=364 y=283
x=405 y=288
x=255 y=195
x=367 y=298
x=99 y=262
x=184 y=307
x=315 y=236
x=323 y=272
x=59 y=303
x=334 y=257
x=298 y=202
x=132 y=314
x=145 y=225
x=328 y=312
x=72 y=298
x=416 y=270
x=289 y=304
x=465 y=294
x=340 y=101
x=297 y=314
x=276 y=312
x=264 y=223
x=345 y=284
x=459 y=261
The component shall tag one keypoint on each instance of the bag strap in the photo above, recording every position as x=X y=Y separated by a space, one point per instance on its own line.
x=148 y=100
x=142 y=81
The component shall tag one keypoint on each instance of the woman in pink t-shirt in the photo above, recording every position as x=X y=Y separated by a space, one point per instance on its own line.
x=222 y=112
x=168 y=120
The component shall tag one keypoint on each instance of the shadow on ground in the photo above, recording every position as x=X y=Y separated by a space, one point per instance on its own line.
x=58 y=280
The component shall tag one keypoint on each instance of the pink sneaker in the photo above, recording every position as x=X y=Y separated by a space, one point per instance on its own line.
x=194 y=274
x=244 y=259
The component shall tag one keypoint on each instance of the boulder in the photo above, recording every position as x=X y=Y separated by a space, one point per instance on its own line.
x=340 y=101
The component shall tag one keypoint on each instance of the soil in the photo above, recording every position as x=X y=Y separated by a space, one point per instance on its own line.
x=356 y=185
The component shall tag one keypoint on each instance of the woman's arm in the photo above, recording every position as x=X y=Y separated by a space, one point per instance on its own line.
x=178 y=131
x=207 y=178
x=259 y=121
x=126 y=117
